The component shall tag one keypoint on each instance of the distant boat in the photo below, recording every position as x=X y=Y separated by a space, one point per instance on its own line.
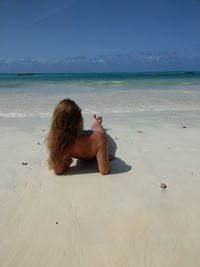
x=20 y=74
x=189 y=72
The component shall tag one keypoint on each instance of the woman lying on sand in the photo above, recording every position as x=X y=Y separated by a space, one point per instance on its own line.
x=67 y=139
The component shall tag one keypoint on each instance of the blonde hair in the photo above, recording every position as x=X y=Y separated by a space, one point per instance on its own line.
x=65 y=127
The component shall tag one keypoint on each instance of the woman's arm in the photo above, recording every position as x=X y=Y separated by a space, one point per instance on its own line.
x=102 y=154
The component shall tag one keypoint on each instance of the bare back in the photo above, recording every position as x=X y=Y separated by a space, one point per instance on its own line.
x=91 y=145
x=86 y=146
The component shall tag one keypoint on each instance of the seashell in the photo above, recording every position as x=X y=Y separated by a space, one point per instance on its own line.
x=163 y=185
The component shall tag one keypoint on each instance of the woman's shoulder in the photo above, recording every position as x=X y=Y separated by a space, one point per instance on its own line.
x=98 y=137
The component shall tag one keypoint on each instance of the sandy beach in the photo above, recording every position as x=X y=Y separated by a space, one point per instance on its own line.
x=85 y=219
x=133 y=66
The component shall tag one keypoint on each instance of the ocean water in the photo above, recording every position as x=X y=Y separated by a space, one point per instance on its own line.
x=36 y=95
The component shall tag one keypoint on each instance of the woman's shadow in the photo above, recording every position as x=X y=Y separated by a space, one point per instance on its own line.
x=90 y=166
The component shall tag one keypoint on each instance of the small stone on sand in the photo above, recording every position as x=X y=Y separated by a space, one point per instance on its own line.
x=56 y=222
x=24 y=163
x=184 y=127
x=163 y=185
x=168 y=118
x=140 y=131
x=116 y=138
x=43 y=130
x=39 y=144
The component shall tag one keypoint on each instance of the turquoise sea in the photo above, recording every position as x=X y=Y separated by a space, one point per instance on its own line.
x=36 y=95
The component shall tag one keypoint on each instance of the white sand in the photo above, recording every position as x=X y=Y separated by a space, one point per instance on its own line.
x=86 y=219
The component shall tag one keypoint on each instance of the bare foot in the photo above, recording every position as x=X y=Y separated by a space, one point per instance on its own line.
x=99 y=119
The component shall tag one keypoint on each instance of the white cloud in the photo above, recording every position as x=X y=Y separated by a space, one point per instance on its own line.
x=8 y=61
x=101 y=60
x=150 y=58
x=131 y=61
x=142 y=57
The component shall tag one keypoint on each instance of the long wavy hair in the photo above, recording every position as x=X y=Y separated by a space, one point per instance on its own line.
x=66 y=124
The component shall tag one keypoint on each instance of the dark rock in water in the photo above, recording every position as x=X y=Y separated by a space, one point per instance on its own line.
x=163 y=185
x=20 y=74
x=43 y=130
x=39 y=144
x=24 y=163
x=140 y=131
x=189 y=72
x=184 y=127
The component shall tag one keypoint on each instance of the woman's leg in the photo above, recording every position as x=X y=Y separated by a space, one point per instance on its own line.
x=96 y=124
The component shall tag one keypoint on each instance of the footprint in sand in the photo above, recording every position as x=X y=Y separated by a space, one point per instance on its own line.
x=175 y=148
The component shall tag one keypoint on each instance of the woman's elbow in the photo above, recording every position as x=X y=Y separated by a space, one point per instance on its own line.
x=58 y=171
x=105 y=171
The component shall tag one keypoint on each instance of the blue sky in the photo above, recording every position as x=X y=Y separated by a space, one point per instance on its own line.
x=104 y=35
